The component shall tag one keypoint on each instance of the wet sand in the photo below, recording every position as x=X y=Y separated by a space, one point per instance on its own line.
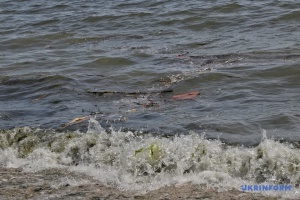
x=58 y=184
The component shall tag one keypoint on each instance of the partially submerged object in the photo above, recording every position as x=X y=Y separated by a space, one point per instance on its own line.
x=75 y=121
x=185 y=96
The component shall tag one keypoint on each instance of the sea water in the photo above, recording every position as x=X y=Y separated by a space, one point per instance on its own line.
x=116 y=66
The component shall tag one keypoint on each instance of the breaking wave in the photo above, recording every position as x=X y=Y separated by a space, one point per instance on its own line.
x=142 y=162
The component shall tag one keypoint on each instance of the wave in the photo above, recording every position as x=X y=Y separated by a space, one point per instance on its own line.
x=143 y=162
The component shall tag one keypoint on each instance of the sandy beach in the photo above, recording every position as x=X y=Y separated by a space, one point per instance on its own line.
x=16 y=184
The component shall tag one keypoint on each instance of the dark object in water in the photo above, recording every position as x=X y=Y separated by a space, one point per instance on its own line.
x=129 y=93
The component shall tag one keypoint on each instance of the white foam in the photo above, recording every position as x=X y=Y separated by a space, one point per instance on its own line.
x=66 y=181
x=142 y=163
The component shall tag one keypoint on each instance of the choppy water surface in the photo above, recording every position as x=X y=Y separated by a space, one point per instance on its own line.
x=242 y=56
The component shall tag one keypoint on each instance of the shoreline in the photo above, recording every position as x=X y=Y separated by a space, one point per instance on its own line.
x=59 y=184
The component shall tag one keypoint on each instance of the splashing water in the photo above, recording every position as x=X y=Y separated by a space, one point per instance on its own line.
x=133 y=161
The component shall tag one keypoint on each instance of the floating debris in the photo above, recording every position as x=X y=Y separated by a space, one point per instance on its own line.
x=130 y=93
x=185 y=96
x=75 y=121
x=132 y=110
x=151 y=104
